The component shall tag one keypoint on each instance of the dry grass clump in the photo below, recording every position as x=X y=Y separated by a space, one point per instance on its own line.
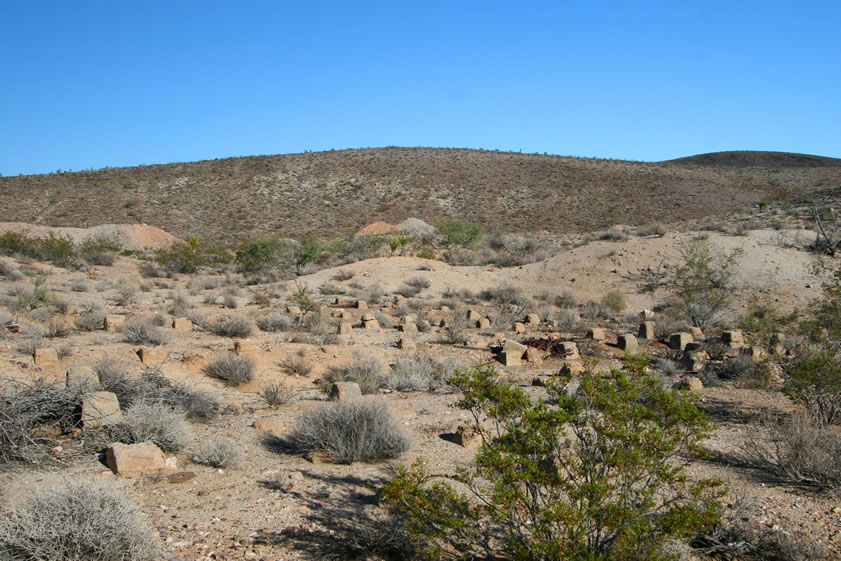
x=232 y=369
x=276 y=394
x=419 y=372
x=367 y=372
x=157 y=422
x=798 y=450
x=359 y=430
x=275 y=322
x=144 y=331
x=614 y=301
x=296 y=365
x=91 y=318
x=76 y=519
x=218 y=453
x=233 y=326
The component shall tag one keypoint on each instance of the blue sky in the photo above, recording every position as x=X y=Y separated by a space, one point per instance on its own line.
x=89 y=84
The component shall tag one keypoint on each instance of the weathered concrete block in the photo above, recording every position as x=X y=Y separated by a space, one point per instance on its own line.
x=294 y=310
x=532 y=319
x=151 y=355
x=345 y=328
x=696 y=332
x=406 y=344
x=568 y=350
x=407 y=328
x=733 y=339
x=510 y=358
x=79 y=375
x=597 y=334
x=647 y=330
x=182 y=324
x=473 y=315
x=571 y=368
x=134 y=460
x=344 y=391
x=483 y=323
x=46 y=358
x=678 y=341
x=534 y=356
x=628 y=343
x=245 y=347
x=466 y=437
x=519 y=327
x=694 y=361
x=514 y=348
x=691 y=383
x=361 y=305
x=114 y=322
x=100 y=409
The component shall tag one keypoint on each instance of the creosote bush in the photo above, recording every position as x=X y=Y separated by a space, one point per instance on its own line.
x=76 y=519
x=353 y=431
x=232 y=369
x=597 y=475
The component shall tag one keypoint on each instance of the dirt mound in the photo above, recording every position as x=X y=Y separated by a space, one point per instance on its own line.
x=747 y=158
x=378 y=228
x=133 y=236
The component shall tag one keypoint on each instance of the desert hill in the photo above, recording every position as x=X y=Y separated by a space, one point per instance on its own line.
x=749 y=158
x=337 y=191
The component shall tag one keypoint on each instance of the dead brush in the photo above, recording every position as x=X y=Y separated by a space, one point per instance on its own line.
x=276 y=394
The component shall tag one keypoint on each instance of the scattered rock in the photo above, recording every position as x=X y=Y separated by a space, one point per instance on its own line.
x=691 y=383
x=473 y=315
x=345 y=328
x=519 y=327
x=597 y=334
x=466 y=437
x=345 y=391
x=647 y=330
x=133 y=460
x=361 y=305
x=733 y=339
x=407 y=344
x=678 y=341
x=407 y=328
x=628 y=343
x=483 y=323
x=532 y=319
x=568 y=350
x=182 y=324
x=151 y=355
x=46 y=358
x=114 y=322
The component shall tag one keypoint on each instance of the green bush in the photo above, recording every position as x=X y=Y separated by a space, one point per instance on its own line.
x=182 y=257
x=594 y=476
x=703 y=281
x=262 y=253
x=614 y=301
x=77 y=519
x=308 y=251
x=456 y=231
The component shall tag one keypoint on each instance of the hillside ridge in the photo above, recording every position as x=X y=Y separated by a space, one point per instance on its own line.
x=329 y=193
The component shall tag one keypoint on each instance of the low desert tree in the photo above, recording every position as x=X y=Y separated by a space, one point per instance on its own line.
x=703 y=282
x=262 y=253
x=457 y=231
x=309 y=250
x=596 y=475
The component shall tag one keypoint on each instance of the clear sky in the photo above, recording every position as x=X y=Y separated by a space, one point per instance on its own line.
x=88 y=84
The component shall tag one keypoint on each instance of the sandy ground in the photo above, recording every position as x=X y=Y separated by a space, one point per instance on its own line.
x=274 y=505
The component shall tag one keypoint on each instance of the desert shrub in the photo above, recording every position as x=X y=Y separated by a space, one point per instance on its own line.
x=593 y=310
x=343 y=275
x=27 y=346
x=58 y=326
x=275 y=322
x=744 y=372
x=182 y=257
x=614 y=301
x=597 y=475
x=181 y=304
x=157 y=422
x=80 y=519
x=799 y=450
x=418 y=372
x=329 y=288
x=367 y=372
x=613 y=234
x=408 y=291
x=308 y=251
x=566 y=300
x=100 y=249
x=262 y=253
x=79 y=285
x=669 y=367
x=32 y=415
x=384 y=321
x=197 y=405
x=114 y=377
x=565 y=320
x=232 y=369
x=419 y=283
x=459 y=232
x=276 y=394
x=231 y=326
x=142 y=331
x=126 y=291
x=353 y=431
x=297 y=365
x=703 y=285
x=229 y=300
x=218 y=453
x=374 y=294
x=653 y=229
x=814 y=380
